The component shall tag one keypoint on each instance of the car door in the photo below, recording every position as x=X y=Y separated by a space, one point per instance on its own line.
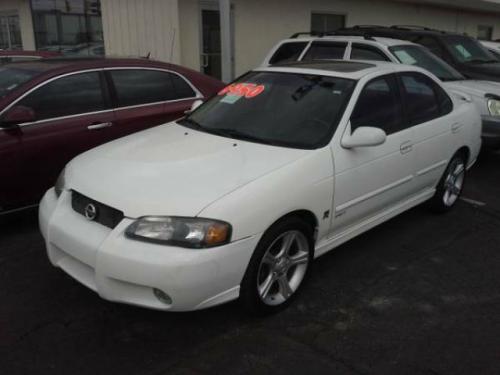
x=10 y=141
x=148 y=97
x=428 y=109
x=72 y=116
x=370 y=180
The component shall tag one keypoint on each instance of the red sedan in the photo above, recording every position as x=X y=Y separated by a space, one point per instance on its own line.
x=8 y=56
x=52 y=110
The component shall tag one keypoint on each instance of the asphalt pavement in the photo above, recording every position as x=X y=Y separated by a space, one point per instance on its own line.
x=419 y=294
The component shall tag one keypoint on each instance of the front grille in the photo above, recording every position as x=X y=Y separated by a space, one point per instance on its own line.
x=105 y=215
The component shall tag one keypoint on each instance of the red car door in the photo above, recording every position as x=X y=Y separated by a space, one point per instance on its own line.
x=72 y=116
x=146 y=97
x=10 y=140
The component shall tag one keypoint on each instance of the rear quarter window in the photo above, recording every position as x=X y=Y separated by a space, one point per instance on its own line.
x=288 y=52
x=326 y=51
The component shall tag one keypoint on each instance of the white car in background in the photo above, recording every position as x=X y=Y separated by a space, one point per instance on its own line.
x=237 y=198
x=485 y=94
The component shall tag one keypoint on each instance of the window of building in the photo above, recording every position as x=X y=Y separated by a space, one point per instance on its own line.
x=484 y=32
x=136 y=87
x=325 y=51
x=71 y=95
x=379 y=106
x=363 y=52
x=72 y=27
x=10 y=32
x=324 y=22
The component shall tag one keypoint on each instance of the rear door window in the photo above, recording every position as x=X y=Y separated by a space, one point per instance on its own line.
x=142 y=86
x=364 y=52
x=424 y=99
x=71 y=95
x=326 y=51
x=379 y=106
x=288 y=52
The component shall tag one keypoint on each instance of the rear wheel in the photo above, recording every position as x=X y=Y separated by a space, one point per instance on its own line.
x=278 y=268
x=451 y=185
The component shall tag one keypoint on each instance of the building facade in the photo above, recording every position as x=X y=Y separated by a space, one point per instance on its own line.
x=223 y=38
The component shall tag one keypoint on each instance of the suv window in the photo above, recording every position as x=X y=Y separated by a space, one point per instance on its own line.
x=379 y=106
x=326 y=51
x=363 y=52
x=66 y=96
x=430 y=43
x=288 y=52
x=142 y=86
x=424 y=99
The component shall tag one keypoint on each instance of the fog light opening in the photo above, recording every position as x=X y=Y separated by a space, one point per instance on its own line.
x=162 y=296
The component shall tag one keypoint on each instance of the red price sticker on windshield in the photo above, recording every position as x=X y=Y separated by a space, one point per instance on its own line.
x=248 y=90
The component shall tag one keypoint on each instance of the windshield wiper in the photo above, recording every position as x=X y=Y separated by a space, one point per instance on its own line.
x=231 y=133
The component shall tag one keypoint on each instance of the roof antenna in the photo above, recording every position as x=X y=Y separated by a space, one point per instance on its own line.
x=148 y=55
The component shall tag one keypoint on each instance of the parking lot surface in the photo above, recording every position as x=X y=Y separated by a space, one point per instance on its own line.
x=419 y=294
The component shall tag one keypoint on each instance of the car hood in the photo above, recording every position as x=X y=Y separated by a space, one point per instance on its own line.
x=171 y=170
x=475 y=88
x=488 y=71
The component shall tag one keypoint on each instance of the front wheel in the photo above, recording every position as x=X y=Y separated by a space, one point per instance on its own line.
x=451 y=185
x=278 y=267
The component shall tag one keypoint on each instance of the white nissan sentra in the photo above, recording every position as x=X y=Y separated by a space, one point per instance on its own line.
x=236 y=199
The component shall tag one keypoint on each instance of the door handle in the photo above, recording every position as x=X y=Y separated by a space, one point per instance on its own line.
x=406 y=147
x=100 y=125
x=455 y=128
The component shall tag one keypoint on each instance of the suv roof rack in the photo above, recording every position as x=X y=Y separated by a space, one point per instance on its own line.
x=411 y=27
x=367 y=36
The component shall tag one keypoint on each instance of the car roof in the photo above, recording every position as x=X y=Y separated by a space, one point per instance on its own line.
x=351 y=69
x=388 y=42
x=58 y=65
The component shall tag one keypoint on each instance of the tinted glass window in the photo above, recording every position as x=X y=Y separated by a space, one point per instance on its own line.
x=71 y=95
x=466 y=49
x=325 y=51
x=420 y=56
x=430 y=43
x=11 y=78
x=361 y=52
x=379 y=106
x=181 y=88
x=291 y=110
x=134 y=87
x=423 y=100
x=288 y=52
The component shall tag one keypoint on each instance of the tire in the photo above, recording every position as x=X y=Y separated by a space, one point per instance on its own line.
x=280 y=265
x=450 y=186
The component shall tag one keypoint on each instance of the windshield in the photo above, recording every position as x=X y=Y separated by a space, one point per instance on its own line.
x=282 y=109
x=11 y=78
x=423 y=58
x=466 y=49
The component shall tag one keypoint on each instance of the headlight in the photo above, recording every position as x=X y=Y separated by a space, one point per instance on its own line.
x=59 y=186
x=494 y=107
x=180 y=231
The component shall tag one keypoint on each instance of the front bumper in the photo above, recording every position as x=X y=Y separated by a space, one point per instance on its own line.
x=124 y=270
x=491 y=132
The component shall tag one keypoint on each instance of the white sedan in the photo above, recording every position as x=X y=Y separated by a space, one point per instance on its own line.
x=236 y=199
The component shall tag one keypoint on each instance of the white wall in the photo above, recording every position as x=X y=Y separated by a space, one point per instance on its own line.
x=23 y=10
x=259 y=24
x=139 y=27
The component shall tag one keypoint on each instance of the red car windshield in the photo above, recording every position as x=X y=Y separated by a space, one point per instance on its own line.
x=11 y=78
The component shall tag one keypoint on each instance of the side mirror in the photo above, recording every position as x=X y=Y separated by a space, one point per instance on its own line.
x=364 y=136
x=17 y=115
x=195 y=105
